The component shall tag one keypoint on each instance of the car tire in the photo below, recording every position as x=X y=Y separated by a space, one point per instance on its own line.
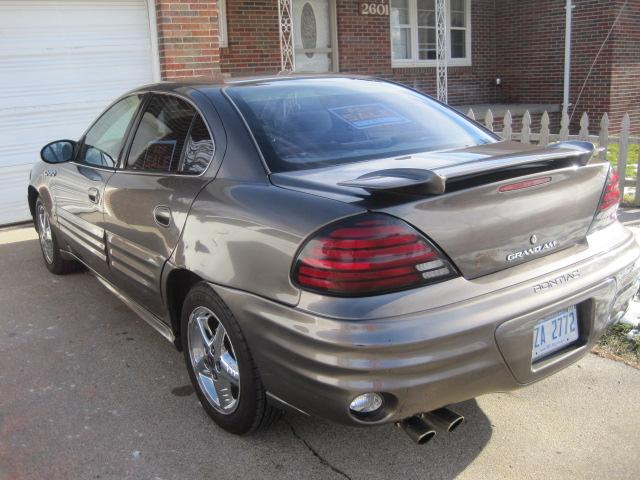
x=49 y=243
x=241 y=408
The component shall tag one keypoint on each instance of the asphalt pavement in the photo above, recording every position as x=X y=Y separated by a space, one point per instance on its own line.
x=89 y=391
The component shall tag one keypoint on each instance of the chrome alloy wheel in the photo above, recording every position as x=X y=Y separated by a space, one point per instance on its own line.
x=213 y=360
x=44 y=232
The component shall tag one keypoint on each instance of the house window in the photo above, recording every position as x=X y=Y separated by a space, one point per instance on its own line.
x=413 y=32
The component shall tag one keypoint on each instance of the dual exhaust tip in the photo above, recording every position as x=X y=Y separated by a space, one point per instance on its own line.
x=422 y=428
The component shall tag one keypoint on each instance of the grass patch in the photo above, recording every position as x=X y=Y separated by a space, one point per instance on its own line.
x=632 y=157
x=615 y=344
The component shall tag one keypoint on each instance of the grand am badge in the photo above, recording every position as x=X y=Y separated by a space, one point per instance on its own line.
x=527 y=252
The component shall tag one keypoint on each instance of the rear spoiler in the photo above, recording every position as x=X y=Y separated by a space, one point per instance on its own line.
x=434 y=181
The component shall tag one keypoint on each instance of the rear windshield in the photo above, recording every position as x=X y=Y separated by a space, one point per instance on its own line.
x=309 y=123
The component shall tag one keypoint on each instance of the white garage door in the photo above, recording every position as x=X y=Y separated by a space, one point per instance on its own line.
x=61 y=63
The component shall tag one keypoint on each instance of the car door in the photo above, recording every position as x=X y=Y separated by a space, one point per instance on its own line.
x=77 y=187
x=148 y=198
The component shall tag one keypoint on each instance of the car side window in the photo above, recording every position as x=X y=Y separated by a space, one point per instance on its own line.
x=162 y=135
x=199 y=149
x=104 y=140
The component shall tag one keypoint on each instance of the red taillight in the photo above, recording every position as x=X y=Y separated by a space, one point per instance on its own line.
x=367 y=255
x=607 y=211
x=611 y=194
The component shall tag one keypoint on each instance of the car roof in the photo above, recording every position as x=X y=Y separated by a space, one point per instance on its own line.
x=219 y=82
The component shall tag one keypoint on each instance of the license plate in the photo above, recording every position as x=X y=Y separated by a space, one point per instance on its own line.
x=554 y=333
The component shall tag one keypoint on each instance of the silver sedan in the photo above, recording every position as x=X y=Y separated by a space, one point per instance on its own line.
x=341 y=246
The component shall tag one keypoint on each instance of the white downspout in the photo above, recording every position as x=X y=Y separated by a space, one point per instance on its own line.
x=567 y=56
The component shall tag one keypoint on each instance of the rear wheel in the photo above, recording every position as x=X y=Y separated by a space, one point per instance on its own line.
x=49 y=244
x=220 y=365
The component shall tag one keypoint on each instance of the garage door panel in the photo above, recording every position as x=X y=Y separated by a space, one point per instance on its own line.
x=58 y=14
x=26 y=133
x=63 y=62
x=88 y=90
x=13 y=185
x=56 y=67
x=47 y=116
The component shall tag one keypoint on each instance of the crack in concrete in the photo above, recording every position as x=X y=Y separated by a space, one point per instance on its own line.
x=323 y=460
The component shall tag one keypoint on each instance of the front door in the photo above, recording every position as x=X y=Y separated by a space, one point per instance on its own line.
x=78 y=186
x=147 y=200
x=314 y=35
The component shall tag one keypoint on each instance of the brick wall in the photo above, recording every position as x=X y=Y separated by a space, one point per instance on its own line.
x=530 y=53
x=625 y=71
x=365 y=48
x=592 y=20
x=188 y=38
x=521 y=41
x=530 y=50
x=253 y=38
x=364 y=45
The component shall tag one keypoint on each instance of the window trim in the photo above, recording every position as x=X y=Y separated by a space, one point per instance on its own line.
x=258 y=147
x=121 y=168
x=263 y=160
x=414 y=62
x=125 y=137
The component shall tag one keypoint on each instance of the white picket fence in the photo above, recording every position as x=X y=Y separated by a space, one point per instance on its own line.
x=602 y=140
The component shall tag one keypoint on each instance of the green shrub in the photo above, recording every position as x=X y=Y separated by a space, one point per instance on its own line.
x=613 y=152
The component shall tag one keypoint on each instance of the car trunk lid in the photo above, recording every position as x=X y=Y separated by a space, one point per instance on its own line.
x=487 y=207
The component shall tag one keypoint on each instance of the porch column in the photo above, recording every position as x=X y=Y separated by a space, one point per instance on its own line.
x=441 y=51
x=287 y=51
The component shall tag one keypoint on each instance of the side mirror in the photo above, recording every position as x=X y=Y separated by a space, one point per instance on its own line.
x=59 y=151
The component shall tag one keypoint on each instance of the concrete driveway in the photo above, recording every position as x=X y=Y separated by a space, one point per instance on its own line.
x=88 y=391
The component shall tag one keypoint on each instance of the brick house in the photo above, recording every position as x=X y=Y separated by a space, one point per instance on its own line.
x=520 y=42
x=62 y=61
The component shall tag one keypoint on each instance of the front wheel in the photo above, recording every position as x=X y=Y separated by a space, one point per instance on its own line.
x=220 y=365
x=49 y=244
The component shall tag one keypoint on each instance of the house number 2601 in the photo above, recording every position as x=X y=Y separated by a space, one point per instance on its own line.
x=378 y=9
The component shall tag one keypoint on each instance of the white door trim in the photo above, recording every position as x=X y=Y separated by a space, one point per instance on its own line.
x=332 y=26
x=153 y=34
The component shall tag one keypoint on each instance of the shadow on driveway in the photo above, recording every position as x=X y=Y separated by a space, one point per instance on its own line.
x=90 y=391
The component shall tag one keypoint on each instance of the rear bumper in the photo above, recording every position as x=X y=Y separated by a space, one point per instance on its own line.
x=434 y=357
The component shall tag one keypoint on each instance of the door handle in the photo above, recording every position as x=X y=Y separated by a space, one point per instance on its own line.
x=94 y=195
x=162 y=215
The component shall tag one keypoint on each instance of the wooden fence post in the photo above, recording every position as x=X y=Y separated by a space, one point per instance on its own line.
x=636 y=199
x=488 y=120
x=584 y=127
x=603 y=139
x=622 y=152
x=544 y=129
x=525 y=136
x=506 y=130
x=564 y=126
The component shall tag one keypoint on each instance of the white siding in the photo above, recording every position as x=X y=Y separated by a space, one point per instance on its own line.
x=61 y=63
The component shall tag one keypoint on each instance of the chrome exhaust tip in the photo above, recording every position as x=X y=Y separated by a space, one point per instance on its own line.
x=418 y=429
x=444 y=419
